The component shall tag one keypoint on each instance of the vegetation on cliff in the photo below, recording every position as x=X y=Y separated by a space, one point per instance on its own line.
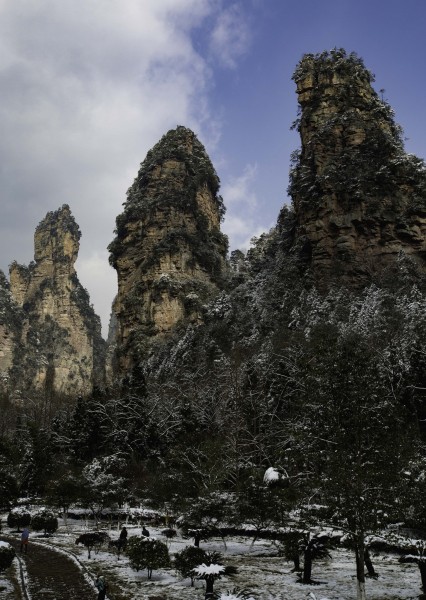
x=353 y=147
x=177 y=192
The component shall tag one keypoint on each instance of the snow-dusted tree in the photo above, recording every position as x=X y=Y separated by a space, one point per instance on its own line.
x=209 y=513
x=187 y=559
x=312 y=547
x=18 y=517
x=65 y=490
x=353 y=432
x=8 y=488
x=210 y=570
x=103 y=483
x=416 y=554
x=44 y=521
x=147 y=553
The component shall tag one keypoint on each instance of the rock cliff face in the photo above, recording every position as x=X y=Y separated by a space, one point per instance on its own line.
x=57 y=347
x=359 y=199
x=169 y=252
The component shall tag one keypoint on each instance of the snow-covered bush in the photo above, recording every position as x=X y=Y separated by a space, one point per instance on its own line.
x=18 y=517
x=187 y=559
x=147 y=553
x=7 y=554
x=44 y=520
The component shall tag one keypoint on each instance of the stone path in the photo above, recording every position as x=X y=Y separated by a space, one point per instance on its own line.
x=52 y=575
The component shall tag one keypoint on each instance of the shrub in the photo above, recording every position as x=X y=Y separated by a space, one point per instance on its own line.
x=7 y=554
x=147 y=553
x=187 y=559
x=45 y=520
x=18 y=517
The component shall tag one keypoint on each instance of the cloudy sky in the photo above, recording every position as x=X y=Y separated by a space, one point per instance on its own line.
x=89 y=86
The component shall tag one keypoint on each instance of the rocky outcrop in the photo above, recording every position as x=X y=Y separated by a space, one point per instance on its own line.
x=359 y=200
x=169 y=252
x=58 y=348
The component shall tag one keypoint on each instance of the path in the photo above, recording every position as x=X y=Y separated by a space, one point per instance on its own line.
x=52 y=575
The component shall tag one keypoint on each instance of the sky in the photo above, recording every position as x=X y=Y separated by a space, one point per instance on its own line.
x=87 y=87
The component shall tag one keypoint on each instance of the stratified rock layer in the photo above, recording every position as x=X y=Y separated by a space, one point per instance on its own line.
x=169 y=252
x=359 y=199
x=59 y=349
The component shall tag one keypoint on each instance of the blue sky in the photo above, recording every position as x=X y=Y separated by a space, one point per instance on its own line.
x=88 y=86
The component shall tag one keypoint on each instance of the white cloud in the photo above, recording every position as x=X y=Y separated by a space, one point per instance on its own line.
x=88 y=87
x=241 y=222
x=239 y=189
x=96 y=268
x=230 y=38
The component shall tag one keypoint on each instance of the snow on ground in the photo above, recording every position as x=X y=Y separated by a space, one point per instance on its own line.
x=260 y=571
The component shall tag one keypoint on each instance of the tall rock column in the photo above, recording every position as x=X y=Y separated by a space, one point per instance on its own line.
x=62 y=349
x=169 y=252
x=359 y=199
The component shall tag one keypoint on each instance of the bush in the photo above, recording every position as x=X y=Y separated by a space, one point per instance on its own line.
x=147 y=553
x=45 y=520
x=7 y=554
x=187 y=559
x=18 y=517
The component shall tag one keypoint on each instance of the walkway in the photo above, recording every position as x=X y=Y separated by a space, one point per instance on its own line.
x=52 y=575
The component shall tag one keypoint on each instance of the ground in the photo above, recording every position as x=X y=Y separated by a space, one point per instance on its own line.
x=260 y=571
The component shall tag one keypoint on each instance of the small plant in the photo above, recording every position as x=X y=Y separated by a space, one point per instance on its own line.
x=210 y=570
x=93 y=539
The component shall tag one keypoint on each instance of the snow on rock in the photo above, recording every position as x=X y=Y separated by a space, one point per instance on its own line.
x=272 y=475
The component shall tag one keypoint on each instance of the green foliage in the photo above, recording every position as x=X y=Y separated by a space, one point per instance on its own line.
x=8 y=488
x=44 y=521
x=18 y=517
x=7 y=554
x=373 y=168
x=64 y=490
x=333 y=61
x=187 y=559
x=147 y=553
x=195 y=169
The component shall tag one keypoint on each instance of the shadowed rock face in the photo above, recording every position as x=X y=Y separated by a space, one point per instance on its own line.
x=169 y=252
x=359 y=199
x=59 y=349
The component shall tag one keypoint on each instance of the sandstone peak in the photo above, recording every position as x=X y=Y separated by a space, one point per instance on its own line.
x=359 y=199
x=57 y=237
x=58 y=347
x=169 y=252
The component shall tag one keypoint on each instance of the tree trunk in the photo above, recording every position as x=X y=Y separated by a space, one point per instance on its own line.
x=369 y=564
x=209 y=588
x=307 y=567
x=296 y=560
x=197 y=538
x=360 y=576
x=422 y=567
